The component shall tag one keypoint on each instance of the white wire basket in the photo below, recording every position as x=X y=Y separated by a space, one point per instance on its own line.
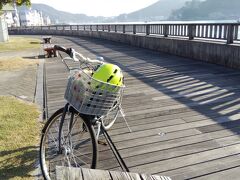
x=90 y=96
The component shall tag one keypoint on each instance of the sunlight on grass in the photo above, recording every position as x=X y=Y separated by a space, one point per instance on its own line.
x=19 y=138
x=19 y=43
x=13 y=63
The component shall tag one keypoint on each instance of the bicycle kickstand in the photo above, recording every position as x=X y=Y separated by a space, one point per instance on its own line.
x=115 y=150
x=123 y=115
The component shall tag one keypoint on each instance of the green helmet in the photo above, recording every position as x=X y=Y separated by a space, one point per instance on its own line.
x=109 y=73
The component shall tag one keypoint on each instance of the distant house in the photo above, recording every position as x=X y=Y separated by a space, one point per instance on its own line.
x=11 y=15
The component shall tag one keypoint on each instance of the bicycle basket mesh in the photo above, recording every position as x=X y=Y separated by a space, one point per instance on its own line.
x=90 y=96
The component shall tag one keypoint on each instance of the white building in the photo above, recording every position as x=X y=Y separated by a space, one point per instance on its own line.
x=10 y=15
x=31 y=18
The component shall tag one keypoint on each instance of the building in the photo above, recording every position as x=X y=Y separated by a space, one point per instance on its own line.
x=31 y=18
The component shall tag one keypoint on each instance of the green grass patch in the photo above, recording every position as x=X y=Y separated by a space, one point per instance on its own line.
x=20 y=43
x=14 y=63
x=19 y=138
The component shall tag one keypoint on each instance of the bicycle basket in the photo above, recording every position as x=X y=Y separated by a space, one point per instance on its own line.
x=90 y=96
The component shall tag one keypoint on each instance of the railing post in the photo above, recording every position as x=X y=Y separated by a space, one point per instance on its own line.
x=134 y=29
x=147 y=29
x=115 y=27
x=124 y=30
x=230 y=34
x=84 y=27
x=96 y=27
x=165 y=30
x=90 y=27
x=191 y=31
x=108 y=28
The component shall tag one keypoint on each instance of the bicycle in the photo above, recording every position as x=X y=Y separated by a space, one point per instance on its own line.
x=69 y=137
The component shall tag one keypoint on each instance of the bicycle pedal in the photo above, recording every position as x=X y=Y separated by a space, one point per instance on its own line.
x=102 y=143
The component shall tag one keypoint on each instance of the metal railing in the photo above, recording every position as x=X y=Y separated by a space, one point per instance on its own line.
x=228 y=32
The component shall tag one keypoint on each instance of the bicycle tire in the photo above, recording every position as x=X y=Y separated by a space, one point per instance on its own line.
x=65 y=157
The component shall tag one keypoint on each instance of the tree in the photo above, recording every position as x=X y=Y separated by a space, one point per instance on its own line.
x=18 y=2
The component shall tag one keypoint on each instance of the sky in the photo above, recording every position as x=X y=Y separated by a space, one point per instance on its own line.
x=97 y=7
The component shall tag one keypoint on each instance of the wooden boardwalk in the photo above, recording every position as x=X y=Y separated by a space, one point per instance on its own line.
x=185 y=114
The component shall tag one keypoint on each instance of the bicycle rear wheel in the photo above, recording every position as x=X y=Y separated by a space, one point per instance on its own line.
x=77 y=146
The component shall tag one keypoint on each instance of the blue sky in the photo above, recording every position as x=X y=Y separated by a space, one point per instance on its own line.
x=97 y=7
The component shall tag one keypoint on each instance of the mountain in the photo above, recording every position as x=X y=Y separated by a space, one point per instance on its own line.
x=208 y=10
x=155 y=12
x=61 y=17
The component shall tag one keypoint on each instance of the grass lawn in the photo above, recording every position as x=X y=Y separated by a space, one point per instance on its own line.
x=13 y=63
x=19 y=138
x=19 y=43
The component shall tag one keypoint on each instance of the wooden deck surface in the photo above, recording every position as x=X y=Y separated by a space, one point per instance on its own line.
x=185 y=114
x=65 y=173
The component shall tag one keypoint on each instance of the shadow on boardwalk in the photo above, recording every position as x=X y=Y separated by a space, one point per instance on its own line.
x=212 y=90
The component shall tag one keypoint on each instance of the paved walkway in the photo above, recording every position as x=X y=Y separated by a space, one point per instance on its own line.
x=20 y=83
x=184 y=113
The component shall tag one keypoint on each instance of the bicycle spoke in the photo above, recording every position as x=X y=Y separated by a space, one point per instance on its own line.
x=82 y=154
x=80 y=159
x=70 y=130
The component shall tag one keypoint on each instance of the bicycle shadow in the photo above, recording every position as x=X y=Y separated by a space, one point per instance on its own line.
x=19 y=163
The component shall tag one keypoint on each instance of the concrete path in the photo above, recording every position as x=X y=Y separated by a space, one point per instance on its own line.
x=20 y=83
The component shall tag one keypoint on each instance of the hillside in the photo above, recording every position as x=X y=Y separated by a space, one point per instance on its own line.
x=155 y=12
x=57 y=16
x=208 y=10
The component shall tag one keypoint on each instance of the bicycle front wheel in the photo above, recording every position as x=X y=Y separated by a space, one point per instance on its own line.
x=74 y=146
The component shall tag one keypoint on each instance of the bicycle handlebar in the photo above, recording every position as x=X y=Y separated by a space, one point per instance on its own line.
x=72 y=53
x=63 y=49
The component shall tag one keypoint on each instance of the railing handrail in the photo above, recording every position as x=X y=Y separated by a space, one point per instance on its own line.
x=221 y=31
x=150 y=23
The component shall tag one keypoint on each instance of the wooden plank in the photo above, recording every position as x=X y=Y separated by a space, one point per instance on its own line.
x=162 y=153
x=95 y=174
x=65 y=173
x=231 y=173
x=119 y=175
x=154 y=177
x=206 y=168
x=174 y=163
